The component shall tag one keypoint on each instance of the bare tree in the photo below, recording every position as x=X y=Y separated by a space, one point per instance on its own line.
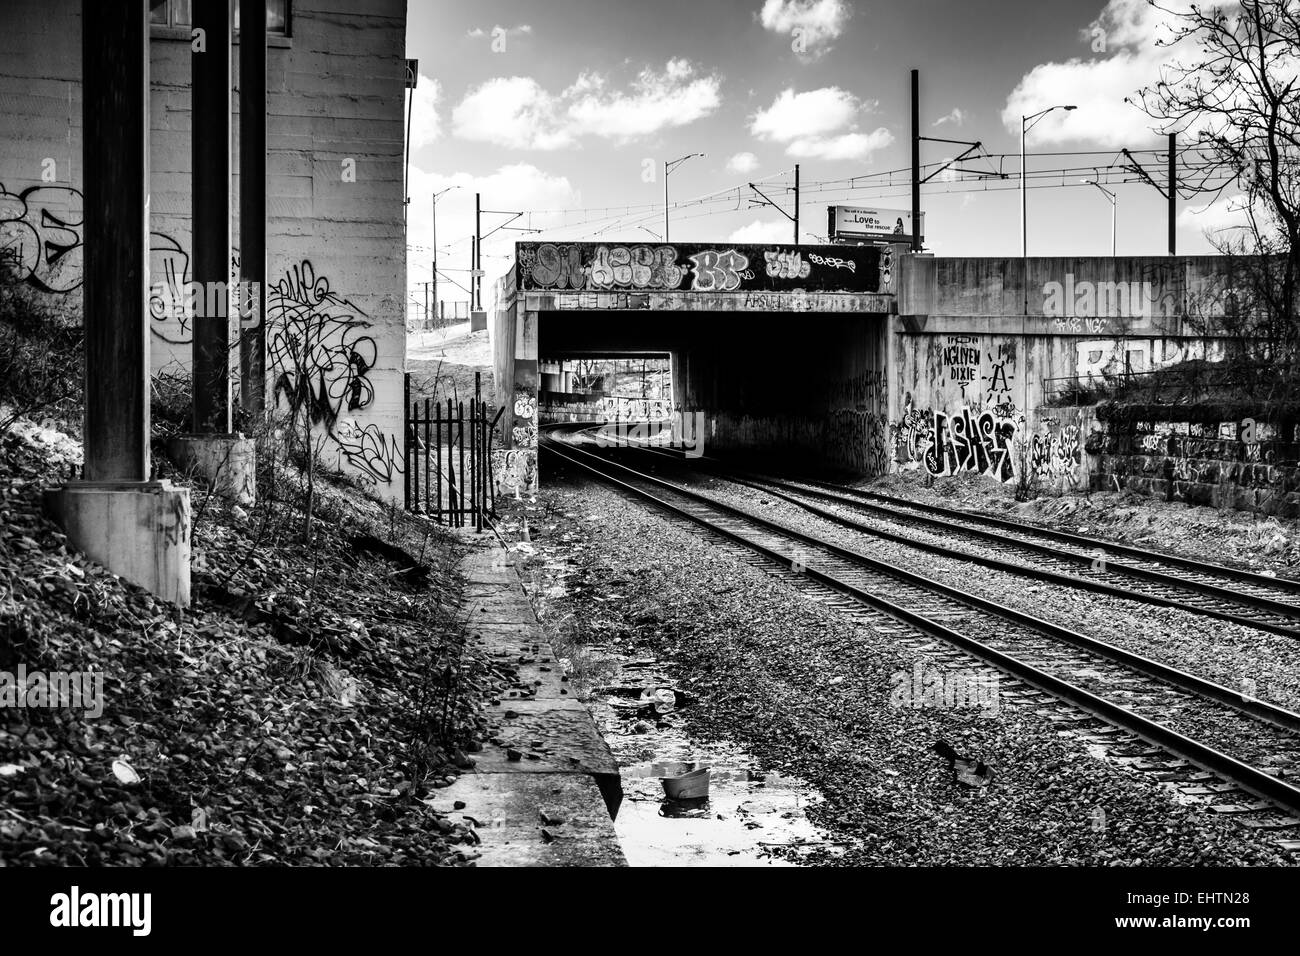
x=1231 y=82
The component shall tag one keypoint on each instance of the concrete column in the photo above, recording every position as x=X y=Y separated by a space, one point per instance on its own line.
x=211 y=188
x=136 y=528
x=252 y=209
x=226 y=461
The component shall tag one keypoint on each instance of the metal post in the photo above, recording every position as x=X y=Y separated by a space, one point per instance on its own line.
x=796 y=204
x=460 y=449
x=1114 y=204
x=916 y=161
x=479 y=414
x=252 y=208
x=211 y=183
x=1173 y=192
x=665 y=200
x=428 y=443
x=115 y=157
x=478 y=255
x=406 y=440
x=1024 y=220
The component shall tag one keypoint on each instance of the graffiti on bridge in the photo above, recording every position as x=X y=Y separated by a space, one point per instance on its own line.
x=696 y=267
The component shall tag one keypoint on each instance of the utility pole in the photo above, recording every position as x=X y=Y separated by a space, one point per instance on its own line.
x=435 y=244
x=1173 y=191
x=796 y=204
x=916 y=161
x=252 y=212
x=1170 y=189
x=477 y=285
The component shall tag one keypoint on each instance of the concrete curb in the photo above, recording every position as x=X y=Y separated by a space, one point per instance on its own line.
x=547 y=793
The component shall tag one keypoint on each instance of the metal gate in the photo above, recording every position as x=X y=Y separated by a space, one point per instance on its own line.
x=448 y=453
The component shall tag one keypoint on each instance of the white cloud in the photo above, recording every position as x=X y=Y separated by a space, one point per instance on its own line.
x=763 y=230
x=510 y=111
x=742 y=163
x=1124 y=40
x=820 y=123
x=654 y=101
x=844 y=146
x=517 y=112
x=426 y=125
x=817 y=20
x=815 y=112
x=1226 y=217
x=957 y=117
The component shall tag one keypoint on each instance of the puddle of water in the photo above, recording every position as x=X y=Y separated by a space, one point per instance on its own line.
x=748 y=814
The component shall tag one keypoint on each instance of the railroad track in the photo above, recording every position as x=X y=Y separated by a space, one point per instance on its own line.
x=1209 y=740
x=1117 y=570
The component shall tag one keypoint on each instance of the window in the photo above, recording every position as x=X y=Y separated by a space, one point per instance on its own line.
x=177 y=14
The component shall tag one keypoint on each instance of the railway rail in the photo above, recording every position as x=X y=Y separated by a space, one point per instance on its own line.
x=1122 y=571
x=1138 y=707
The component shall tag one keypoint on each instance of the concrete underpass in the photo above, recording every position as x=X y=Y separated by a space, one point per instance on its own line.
x=777 y=350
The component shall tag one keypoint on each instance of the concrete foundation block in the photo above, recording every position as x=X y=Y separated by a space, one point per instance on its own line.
x=139 y=530
x=478 y=320
x=229 y=462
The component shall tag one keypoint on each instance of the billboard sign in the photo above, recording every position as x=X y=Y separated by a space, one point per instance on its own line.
x=871 y=224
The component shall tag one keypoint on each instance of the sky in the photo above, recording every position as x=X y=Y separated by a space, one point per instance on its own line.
x=576 y=104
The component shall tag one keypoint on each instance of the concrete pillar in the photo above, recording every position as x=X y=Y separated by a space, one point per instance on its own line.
x=136 y=528
x=227 y=462
x=211 y=187
x=252 y=210
x=224 y=460
x=139 y=530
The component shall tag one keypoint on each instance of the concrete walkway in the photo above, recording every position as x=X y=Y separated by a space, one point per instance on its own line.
x=546 y=790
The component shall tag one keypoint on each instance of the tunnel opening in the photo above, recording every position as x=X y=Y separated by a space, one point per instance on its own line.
x=805 y=391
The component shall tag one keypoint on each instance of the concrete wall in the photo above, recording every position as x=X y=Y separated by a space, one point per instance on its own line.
x=336 y=260
x=975 y=374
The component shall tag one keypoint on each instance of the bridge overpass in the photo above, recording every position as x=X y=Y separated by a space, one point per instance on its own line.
x=867 y=358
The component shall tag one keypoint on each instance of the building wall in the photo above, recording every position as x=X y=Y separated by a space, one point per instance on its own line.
x=336 y=263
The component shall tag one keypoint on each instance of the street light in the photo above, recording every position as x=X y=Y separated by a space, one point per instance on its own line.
x=669 y=166
x=1026 y=124
x=1113 y=203
x=435 y=249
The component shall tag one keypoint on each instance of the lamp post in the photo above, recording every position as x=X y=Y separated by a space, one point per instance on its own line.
x=1113 y=203
x=1026 y=124
x=435 y=247
x=669 y=166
